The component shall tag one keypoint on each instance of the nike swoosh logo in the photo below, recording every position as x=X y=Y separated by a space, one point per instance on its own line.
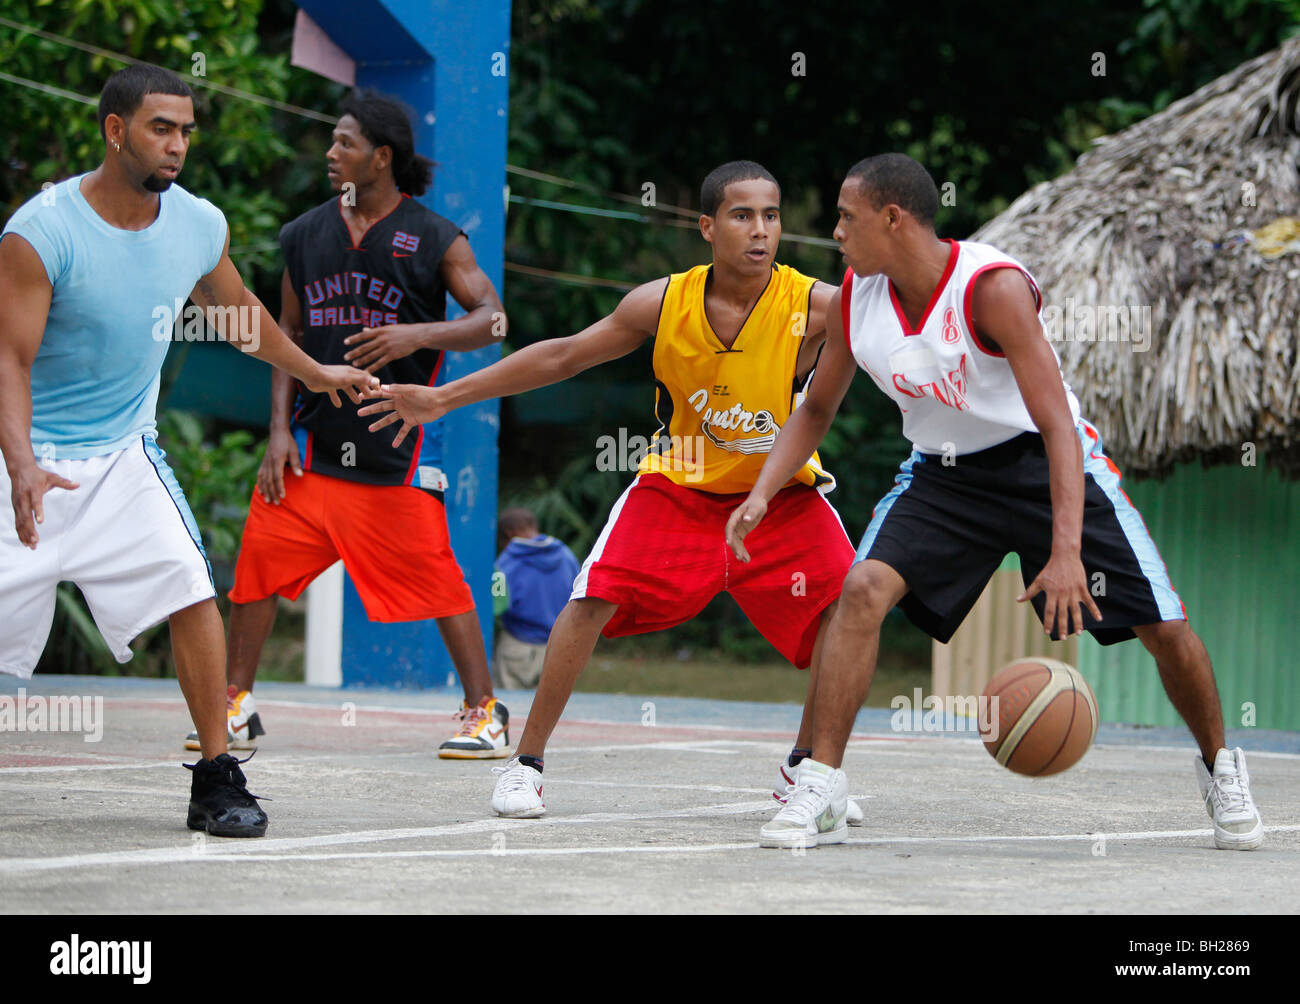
x=497 y=733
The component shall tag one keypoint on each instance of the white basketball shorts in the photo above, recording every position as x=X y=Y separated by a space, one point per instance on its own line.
x=125 y=537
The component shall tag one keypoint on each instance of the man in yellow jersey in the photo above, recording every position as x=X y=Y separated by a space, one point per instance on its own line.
x=735 y=342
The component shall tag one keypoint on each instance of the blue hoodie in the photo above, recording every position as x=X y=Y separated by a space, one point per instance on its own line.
x=539 y=578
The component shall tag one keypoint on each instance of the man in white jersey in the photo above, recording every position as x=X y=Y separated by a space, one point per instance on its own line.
x=92 y=272
x=1001 y=462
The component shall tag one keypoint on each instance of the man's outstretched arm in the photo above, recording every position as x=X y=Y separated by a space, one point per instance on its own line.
x=539 y=365
x=257 y=334
x=25 y=291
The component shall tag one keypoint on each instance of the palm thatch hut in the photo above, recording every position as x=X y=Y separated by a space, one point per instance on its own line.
x=1179 y=216
x=1170 y=263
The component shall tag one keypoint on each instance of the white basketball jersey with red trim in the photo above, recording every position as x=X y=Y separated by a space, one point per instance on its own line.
x=956 y=395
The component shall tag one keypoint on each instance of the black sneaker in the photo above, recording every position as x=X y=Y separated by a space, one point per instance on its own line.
x=219 y=801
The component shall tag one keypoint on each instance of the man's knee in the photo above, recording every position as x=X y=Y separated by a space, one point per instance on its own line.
x=1166 y=640
x=587 y=611
x=870 y=591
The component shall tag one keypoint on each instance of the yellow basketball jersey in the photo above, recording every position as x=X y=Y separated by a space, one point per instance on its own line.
x=719 y=408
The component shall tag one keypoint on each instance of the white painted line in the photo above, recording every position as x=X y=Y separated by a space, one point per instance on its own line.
x=504 y=852
x=236 y=850
x=88 y=766
x=265 y=849
x=1029 y=837
x=207 y=857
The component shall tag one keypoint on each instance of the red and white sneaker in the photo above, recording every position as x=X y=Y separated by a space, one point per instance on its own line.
x=814 y=811
x=483 y=736
x=518 y=791
x=782 y=793
x=243 y=724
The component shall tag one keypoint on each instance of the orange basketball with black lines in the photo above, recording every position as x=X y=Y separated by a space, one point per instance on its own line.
x=1045 y=718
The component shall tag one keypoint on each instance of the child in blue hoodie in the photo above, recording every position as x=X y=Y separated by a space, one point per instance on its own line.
x=539 y=573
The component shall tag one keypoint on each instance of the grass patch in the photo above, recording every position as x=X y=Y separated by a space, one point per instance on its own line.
x=666 y=664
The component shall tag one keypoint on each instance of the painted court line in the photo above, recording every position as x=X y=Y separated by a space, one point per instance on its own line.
x=496 y=852
x=266 y=849
x=88 y=766
x=236 y=851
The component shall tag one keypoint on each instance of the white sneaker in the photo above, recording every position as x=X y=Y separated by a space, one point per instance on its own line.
x=518 y=792
x=814 y=811
x=853 y=817
x=1237 y=825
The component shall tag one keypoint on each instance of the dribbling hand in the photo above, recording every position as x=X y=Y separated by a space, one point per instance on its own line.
x=1064 y=586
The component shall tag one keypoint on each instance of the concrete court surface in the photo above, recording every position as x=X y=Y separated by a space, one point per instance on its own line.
x=642 y=818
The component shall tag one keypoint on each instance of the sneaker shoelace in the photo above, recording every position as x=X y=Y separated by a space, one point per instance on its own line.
x=513 y=778
x=473 y=718
x=1230 y=793
x=232 y=776
x=805 y=802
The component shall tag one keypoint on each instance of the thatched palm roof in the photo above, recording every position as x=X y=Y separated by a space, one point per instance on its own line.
x=1163 y=215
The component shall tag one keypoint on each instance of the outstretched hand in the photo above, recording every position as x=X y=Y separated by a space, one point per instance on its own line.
x=1064 y=585
x=332 y=379
x=408 y=403
x=743 y=521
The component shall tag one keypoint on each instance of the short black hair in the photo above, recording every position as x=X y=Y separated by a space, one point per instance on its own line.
x=384 y=122
x=514 y=521
x=897 y=178
x=714 y=189
x=125 y=90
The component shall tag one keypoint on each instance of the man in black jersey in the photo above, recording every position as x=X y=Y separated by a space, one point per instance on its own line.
x=366 y=280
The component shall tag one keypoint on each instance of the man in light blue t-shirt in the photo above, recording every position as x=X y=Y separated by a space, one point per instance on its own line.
x=94 y=272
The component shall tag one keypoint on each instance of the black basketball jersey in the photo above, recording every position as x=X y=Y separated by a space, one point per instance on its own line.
x=390 y=277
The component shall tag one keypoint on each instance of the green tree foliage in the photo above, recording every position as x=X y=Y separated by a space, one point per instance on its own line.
x=260 y=165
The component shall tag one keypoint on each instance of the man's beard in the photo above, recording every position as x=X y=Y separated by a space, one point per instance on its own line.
x=153 y=183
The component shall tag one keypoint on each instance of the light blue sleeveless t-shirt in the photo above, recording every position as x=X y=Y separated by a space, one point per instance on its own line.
x=95 y=377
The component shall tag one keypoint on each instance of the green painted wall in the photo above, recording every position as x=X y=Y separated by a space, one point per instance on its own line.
x=1230 y=537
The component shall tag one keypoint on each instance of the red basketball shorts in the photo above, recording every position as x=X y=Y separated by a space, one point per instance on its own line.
x=392 y=539
x=663 y=555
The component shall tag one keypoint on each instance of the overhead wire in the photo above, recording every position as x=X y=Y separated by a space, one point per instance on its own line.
x=686 y=217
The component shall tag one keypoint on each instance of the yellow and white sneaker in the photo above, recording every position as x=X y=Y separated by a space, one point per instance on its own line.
x=782 y=792
x=243 y=724
x=814 y=813
x=483 y=736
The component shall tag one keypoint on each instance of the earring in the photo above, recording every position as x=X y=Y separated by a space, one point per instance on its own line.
x=117 y=146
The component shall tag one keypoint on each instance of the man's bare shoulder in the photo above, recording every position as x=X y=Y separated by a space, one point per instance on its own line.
x=640 y=308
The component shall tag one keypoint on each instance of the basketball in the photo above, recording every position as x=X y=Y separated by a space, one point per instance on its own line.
x=1045 y=716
